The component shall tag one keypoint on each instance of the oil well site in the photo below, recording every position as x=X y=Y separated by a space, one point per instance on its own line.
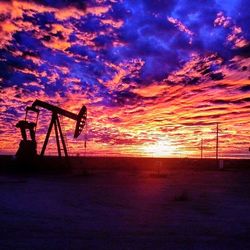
x=65 y=202
x=124 y=125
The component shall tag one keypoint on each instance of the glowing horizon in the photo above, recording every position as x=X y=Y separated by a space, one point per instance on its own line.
x=156 y=76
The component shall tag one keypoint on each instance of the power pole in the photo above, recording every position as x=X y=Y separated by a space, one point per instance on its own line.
x=201 y=148
x=217 y=141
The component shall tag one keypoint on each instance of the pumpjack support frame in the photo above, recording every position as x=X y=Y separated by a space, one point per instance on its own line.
x=59 y=136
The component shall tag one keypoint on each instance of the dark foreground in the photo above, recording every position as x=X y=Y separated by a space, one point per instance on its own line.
x=147 y=208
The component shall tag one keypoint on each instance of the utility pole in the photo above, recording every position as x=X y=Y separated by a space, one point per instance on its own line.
x=201 y=148
x=217 y=141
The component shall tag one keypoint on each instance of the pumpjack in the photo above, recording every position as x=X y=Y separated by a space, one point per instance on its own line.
x=28 y=148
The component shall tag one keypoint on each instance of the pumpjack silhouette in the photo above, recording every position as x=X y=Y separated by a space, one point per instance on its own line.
x=28 y=147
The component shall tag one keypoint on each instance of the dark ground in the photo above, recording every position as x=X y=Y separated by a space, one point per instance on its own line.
x=161 y=207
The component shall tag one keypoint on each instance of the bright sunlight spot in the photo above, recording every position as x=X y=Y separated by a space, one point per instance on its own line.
x=159 y=149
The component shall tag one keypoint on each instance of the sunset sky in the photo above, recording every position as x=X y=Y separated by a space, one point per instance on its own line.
x=155 y=76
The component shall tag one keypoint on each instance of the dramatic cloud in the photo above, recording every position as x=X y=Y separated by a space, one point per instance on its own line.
x=153 y=74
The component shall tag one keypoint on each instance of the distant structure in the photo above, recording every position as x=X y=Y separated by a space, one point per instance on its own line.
x=28 y=148
x=201 y=148
x=217 y=141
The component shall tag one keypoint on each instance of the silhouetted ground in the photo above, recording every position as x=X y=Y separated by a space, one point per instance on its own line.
x=157 y=207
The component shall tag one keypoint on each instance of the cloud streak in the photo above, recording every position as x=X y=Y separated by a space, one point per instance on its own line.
x=148 y=72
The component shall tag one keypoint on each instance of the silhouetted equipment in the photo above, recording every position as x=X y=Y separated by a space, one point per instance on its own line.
x=24 y=125
x=217 y=141
x=28 y=147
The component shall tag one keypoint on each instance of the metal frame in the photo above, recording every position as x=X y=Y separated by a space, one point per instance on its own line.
x=59 y=136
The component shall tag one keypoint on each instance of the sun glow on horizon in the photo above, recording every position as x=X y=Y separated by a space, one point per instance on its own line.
x=146 y=95
x=159 y=149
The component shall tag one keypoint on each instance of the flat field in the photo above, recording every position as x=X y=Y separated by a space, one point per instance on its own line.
x=164 y=208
